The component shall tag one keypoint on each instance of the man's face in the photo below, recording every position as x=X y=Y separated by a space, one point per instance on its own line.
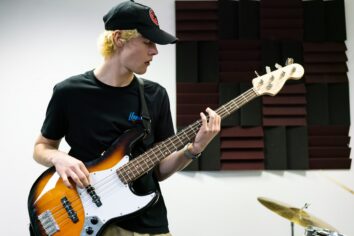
x=137 y=54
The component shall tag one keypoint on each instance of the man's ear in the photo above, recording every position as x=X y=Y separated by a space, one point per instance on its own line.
x=117 y=38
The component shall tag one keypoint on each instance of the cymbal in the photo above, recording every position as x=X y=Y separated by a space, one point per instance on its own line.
x=295 y=215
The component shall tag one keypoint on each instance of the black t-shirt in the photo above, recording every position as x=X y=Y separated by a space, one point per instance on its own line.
x=92 y=115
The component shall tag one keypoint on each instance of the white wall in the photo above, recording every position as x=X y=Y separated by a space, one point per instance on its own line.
x=43 y=42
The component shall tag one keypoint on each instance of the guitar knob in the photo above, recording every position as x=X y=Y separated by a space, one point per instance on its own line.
x=89 y=230
x=94 y=220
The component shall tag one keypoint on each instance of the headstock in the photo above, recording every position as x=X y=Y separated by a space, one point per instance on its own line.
x=272 y=82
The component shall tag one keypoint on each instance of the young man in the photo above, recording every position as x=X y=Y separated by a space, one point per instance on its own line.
x=93 y=109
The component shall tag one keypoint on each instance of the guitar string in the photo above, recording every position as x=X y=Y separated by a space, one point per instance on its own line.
x=115 y=175
x=115 y=179
x=190 y=128
x=197 y=124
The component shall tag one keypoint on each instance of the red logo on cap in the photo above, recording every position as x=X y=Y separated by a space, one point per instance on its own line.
x=153 y=17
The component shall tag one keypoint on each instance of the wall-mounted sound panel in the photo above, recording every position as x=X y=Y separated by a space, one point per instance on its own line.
x=281 y=19
x=288 y=108
x=242 y=148
x=197 y=20
x=238 y=60
x=206 y=94
x=329 y=147
x=222 y=43
x=325 y=62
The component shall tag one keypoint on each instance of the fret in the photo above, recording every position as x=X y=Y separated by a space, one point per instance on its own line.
x=195 y=129
x=136 y=166
x=153 y=152
x=150 y=158
x=123 y=172
x=234 y=104
x=165 y=153
x=132 y=164
x=183 y=132
x=145 y=164
x=245 y=99
x=181 y=142
x=137 y=173
x=120 y=176
x=128 y=174
x=172 y=143
x=225 y=109
x=223 y=114
x=158 y=148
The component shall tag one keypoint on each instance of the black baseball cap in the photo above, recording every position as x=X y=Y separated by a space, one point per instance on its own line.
x=132 y=15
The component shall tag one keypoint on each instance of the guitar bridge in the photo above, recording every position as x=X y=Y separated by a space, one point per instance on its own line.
x=48 y=223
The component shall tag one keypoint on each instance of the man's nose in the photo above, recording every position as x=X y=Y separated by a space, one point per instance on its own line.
x=153 y=49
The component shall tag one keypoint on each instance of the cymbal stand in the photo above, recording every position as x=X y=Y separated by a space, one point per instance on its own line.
x=292 y=223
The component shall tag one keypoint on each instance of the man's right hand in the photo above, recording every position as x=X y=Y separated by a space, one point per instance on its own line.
x=46 y=153
x=70 y=167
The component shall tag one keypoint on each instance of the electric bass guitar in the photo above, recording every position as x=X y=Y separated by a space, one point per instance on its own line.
x=57 y=210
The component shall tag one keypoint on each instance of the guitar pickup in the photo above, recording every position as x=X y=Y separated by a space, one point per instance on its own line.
x=95 y=198
x=72 y=214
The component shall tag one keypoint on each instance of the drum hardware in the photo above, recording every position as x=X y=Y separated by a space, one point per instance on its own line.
x=315 y=231
x=298 y=216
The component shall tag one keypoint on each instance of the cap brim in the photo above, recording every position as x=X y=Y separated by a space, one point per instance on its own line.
x=158 y=36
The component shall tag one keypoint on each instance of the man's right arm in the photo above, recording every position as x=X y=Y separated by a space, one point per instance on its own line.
x=46 y=153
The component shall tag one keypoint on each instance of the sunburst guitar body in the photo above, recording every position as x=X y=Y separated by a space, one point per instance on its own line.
x=55 y=209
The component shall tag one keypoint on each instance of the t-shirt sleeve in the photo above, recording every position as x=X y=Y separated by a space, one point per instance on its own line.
x=55 y=122
x=164 y=126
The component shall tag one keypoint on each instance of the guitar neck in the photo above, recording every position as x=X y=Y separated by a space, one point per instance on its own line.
x=146 y=161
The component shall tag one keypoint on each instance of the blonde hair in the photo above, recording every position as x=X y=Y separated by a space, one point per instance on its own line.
x=106 y=43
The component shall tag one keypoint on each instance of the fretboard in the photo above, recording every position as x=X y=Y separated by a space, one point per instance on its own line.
x=148 y=160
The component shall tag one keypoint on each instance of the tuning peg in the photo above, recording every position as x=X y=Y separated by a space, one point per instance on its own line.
x=293 y=69
x=282 y=74
x=289 y=61
x=278 y=66
x=256 y=73
x=268 y=69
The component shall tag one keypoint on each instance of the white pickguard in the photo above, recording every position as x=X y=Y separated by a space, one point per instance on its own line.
x=117 y=198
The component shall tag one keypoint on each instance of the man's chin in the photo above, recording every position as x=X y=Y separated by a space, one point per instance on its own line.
x=140 y=72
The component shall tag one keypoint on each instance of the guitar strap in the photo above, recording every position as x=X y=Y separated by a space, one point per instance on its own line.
x=144 y=112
